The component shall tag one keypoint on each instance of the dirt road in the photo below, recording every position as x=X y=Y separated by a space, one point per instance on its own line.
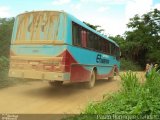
x=39 y=97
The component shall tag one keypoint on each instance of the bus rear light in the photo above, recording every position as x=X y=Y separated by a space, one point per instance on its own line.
x=59 y=68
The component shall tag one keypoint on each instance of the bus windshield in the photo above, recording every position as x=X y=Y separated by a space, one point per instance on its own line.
x=36 y=27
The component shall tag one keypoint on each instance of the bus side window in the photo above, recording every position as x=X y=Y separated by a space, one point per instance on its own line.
x=90 y=40
x=76 y=34
x=99 y=45
x=84 y=38
x=95 y=41
x=104 y=44
x=107 y=48
x=104 y=48
x=110 y=48
x=113 y=50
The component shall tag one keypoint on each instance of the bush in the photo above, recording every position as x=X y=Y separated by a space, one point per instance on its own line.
x=134 y=98
x=153 y=83
x=129 y=65
x=4 y=63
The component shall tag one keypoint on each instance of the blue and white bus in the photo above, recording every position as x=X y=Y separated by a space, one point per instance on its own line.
x=55 y=46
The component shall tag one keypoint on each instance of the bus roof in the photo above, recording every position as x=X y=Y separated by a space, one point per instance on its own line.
x=29 y=12
x=76 y=21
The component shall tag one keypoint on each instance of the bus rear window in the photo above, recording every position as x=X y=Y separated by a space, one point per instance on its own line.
x=36 y=26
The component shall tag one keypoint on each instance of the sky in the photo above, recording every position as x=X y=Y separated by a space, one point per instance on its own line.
x=111 y=15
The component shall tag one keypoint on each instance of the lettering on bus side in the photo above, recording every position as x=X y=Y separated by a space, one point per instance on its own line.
x=101 y=59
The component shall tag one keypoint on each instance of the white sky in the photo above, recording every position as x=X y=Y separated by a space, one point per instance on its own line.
x=112 y=15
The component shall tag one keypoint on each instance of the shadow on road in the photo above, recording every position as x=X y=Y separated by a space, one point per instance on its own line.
x=64 y=91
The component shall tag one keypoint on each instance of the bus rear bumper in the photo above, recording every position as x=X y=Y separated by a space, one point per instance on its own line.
x=39 y=75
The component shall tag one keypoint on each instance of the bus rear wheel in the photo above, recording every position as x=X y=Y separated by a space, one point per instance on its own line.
x=91 y=82
x=56 y=83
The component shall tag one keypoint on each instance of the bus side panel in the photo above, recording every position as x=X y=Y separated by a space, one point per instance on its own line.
x=104 y=71
x=86 y=60
x=79 y=73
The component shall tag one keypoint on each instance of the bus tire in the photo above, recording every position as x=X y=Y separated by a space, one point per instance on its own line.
x=56 y=83
x=91 y=82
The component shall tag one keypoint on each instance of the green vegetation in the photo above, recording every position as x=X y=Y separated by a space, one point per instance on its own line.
x=134 y=98
x=3 y=66
x=141 y=43
x=4 y=81
x=127 y=64
x=6 y=26
x=3 y=71
x=95 y=27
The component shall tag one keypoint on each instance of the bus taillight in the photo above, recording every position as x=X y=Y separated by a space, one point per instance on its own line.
x=67 y=60
x=53 y=68
x=57 y=64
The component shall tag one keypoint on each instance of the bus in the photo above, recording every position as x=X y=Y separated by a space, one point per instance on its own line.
x=57 y=47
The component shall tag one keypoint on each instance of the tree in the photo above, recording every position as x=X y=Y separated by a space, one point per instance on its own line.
x=95 y=27
x=143 y=40
x=6 y=26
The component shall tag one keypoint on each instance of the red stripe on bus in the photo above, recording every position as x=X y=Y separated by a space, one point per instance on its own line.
x=78 y=72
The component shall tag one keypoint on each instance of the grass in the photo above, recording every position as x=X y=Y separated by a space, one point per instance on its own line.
x=134 y=98
x=129 y=65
